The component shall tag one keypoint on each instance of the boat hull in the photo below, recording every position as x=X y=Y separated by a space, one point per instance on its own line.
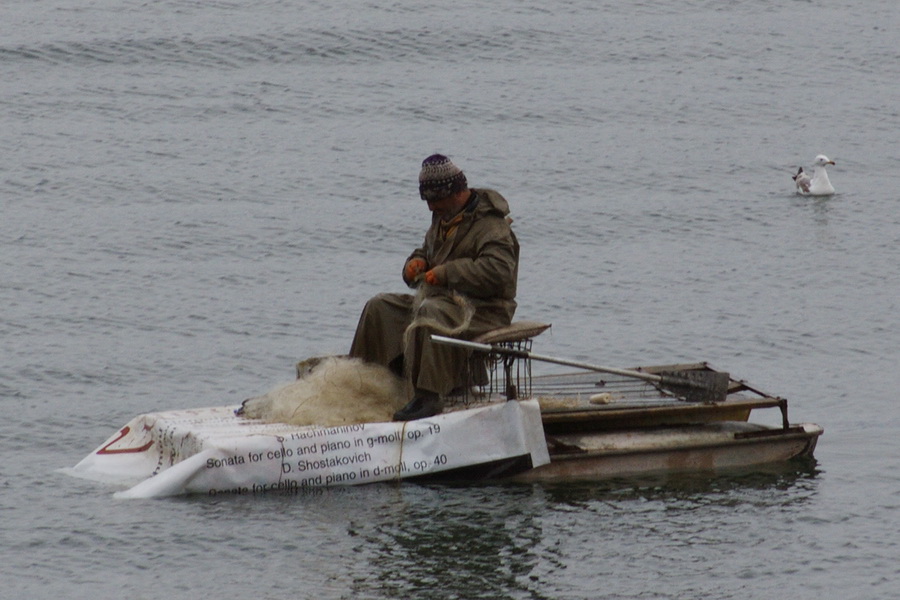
x=703 y=448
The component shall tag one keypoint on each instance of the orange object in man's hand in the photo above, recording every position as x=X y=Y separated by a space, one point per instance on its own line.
x=414 y=267
x=433 y=277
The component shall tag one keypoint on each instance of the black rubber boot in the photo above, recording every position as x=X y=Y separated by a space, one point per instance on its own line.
x=424 y=404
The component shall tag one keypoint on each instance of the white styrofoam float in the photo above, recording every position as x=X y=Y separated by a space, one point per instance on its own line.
x=211 y=451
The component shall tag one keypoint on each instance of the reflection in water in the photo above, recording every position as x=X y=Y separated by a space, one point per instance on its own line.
x=508 y=541
x=797 y=479
x=442 y=542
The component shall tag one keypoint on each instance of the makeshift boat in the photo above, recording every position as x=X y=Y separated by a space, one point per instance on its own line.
x=518 y=427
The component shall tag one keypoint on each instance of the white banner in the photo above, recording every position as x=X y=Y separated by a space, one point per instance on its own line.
x=211 y=451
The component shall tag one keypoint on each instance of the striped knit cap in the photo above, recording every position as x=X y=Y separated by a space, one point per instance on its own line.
x=440 y=178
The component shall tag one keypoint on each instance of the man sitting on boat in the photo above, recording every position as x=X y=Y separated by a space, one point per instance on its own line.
x=465 y=275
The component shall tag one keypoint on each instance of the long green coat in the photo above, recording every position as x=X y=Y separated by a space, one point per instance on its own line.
x=479 y=262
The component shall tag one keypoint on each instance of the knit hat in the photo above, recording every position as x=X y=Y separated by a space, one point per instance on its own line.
x=440 y=178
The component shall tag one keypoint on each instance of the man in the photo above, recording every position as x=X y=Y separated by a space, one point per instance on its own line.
x=465 y=272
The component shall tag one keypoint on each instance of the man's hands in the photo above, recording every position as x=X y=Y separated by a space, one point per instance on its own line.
x=416 y=269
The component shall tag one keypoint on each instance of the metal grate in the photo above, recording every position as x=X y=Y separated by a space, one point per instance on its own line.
x=500 y=374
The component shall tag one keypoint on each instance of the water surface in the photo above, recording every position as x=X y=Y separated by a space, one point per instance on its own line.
x=197 y=194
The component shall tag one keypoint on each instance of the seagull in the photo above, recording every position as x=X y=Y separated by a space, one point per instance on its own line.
x=818 y=184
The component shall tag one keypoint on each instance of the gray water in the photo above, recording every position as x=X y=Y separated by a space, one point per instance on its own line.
x=197 y=194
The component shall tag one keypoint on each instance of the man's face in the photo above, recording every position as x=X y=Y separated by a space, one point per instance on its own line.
x=445 y=208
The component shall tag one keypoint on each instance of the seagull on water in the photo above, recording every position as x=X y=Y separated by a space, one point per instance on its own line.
x=818 y=184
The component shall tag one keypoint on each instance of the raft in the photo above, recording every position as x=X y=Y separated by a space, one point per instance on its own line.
x=570 y=427
x=606 y=423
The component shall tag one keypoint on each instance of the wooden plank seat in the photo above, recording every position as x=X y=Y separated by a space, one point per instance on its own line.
x=516 y=373
x=517 y=331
